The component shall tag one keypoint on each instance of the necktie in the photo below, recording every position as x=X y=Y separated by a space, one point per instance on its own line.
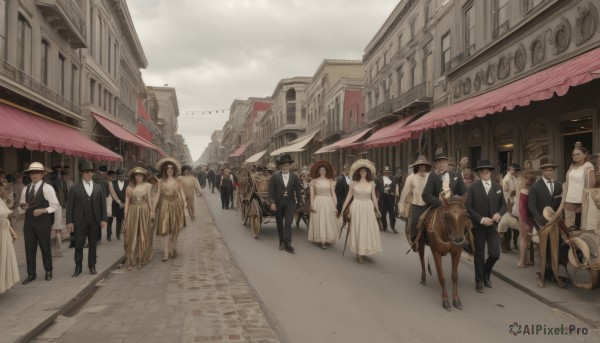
x=32 y=192
x=487 y=187
x=551 y=185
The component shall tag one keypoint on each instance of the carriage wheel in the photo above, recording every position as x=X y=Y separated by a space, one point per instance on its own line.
x=583 y=278
x=244 y=206
x=255 y=218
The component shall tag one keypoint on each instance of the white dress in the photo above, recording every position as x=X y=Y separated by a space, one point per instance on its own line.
x=9 y=270
x=364 y=231
x=323 y=225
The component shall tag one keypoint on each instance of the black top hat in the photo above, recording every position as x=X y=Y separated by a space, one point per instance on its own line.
x=515 y=166
x=103 y=169
x=85 y=166
x=484 y=164
x=120 y=172
x=547 y=162
x=285 y=158
x=110 y=172
x=386 y=169
x=441 y=156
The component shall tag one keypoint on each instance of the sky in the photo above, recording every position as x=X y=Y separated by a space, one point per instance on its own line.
x=216 y=51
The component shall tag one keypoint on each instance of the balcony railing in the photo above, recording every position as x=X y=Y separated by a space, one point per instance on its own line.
x=67 y=18
x=36 y=86
x=380 y=111
x=422 y=93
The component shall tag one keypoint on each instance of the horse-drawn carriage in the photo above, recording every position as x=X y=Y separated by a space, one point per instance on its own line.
x=253 y=200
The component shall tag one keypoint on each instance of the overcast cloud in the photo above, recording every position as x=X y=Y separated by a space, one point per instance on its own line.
x=215 y=51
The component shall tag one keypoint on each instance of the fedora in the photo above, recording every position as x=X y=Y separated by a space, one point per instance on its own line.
x=285 y=158
x=441 y=156
x=547 y=162
x=85 y=166
x=515 y=166
x=484 y=164
x=120 y=172
x=35 y=166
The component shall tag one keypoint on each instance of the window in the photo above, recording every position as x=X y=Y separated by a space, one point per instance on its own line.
x=92 y=90
x=399 y=41
x=92 y=29
x=385 y=60
x=110 y=55
x=500 y=16
x=531 y=4
x=426 y=11
x=413 y=28
x=3 y=24
x=74 y=83
x=399 y=74
x=290 y=98
x=24 y=45
x=61 y=74
x=101 y=43
x=469 y=22
x=115 y=58
x=44 y=62
x=413 y=67
x=446 y=52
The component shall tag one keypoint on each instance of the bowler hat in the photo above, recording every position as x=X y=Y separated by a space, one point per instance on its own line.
x=547 y=162
x=515 y=166
x=103 y=169
x=484 y=164
x=120 y=172
x=85 y=166
x=35 y=166
x=285 y=158
x=441 y=156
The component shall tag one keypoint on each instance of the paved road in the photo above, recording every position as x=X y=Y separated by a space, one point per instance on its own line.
x=317 y=295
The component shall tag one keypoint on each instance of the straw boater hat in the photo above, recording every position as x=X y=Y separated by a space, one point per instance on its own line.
x=162 y=161
x=547 y=162
x=139 y=170
x=362 y=163
x=421 y=160
x=35 y=166
x=314 y=170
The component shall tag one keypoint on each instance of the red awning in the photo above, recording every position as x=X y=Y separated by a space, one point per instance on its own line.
x=543 y=85
x=142 y=109
x=21 y=129
x=239 y=152
x=345 y=143
x=143 y=132
x=123 y=134
x=389 y=135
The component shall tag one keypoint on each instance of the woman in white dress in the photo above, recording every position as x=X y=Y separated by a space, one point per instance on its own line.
x=364 y=231
x=9 y=270
x=323 y=224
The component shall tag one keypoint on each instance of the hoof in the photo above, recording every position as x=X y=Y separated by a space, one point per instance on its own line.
x=423 y=282
x=457 y=304
x=540 y=284
x=446 y=305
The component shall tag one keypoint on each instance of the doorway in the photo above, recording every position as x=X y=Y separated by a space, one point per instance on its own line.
x=575 y=130
x=505 y=158
x=474 y=155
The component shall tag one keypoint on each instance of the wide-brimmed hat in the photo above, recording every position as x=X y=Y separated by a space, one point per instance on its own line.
x=270 y=166
x=86 y=165
x=441 y=156
x=484 y=164
x=35 y=166
x=164 y=160
x=314 y=170
x=362 y=163
x=586 y=250
x=285 y=158
x=421 y=160
x=515 y=166
x=547 y=162
x=138 y=170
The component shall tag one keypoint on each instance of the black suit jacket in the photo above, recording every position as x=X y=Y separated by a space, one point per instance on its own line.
x=341 y=191
x=120 y=194
x=77 y=195
x=540 y=197
x=277 y=188
x=433 y=188
x=480 y=205
x=379 y=187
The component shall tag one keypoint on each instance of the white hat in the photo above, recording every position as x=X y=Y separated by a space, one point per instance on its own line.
x=35 y=166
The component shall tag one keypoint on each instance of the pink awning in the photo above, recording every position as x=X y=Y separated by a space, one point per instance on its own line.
x=21 y=129
x=143 y=132
x=121 y=133
x=239 y=152
x=345 y=143
x=543 y=85
x=389 y=135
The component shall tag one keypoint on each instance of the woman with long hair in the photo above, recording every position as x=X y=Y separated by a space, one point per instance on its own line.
x=322 y=227
x=169 y=206
x=363 y=229
x=137 y=227
x=9 y=270
x=525 y=221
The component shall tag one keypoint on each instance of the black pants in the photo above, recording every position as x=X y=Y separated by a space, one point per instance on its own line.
x=225 y=196
x=284 y=216
x=90 y=231
x=387 y=207
x=109 y=223
x=483 y=236
x=415 y=213
x=118 y=215
x=36 y=231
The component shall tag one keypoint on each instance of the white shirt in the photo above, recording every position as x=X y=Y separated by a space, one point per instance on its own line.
x=286 y=178
x=89 y=187
x=49 y=194
x=549 y=185
x=487 y=184
x=446 y=177
x=347 y=179
x=121 y=184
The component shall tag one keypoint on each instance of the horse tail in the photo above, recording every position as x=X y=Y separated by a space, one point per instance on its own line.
x=429 y=266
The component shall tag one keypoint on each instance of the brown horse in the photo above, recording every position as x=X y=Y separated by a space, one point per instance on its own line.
x=447 y=231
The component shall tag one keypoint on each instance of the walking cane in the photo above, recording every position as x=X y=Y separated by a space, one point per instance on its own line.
x=346 y=242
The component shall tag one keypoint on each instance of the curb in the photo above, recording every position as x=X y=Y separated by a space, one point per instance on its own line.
x=75 y=301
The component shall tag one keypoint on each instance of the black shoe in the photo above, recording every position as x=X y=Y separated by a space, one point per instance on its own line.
x=108 y=239
x=49 y=275
x=71 y=245
x=93 y=270
x=479 y=287
x=289 y=249
x=281 y=246
x=28 y=280
x=486 y=281
x=77 y=271
x=394 y=229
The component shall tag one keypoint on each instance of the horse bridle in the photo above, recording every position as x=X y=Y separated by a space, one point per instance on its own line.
x=447 y=226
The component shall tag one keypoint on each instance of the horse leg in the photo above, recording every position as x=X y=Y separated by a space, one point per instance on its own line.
x=455 y=259
x=543 y=235
x=422 y=257
x=437 y=257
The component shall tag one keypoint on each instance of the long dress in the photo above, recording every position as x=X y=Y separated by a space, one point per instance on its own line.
x=137 y=227
x=170 y=217
x=9 y=270
x=364 y=231
x=190 y=186
x=323 y=224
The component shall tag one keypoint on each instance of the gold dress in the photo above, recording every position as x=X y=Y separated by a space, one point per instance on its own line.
x=170 y=216
x=138 y=232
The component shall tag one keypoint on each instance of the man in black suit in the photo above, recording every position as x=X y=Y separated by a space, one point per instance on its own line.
x=101 y=178
x=342 y=186
x=485 y=204
x=284 y=186
x=210 y=176
x=387 y=191
x=86 y=215
x=545 y=192
x=118 y=188
x=442 y=181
